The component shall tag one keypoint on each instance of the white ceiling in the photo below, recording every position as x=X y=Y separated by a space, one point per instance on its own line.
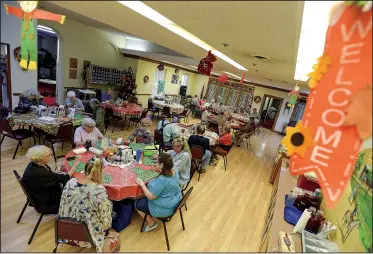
x=266 y=28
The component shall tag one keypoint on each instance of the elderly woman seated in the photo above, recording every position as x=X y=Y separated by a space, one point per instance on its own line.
x=144 y=134
x=44 y=185
x=181 y=160
x=87 y=131
x=98 y=114
x=30 y=98
x=72 y=101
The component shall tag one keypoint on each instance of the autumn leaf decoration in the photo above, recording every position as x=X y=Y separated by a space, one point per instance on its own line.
x=359 y=112
x=319 y=70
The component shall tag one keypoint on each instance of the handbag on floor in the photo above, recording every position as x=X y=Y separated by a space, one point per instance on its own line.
x=123 y=210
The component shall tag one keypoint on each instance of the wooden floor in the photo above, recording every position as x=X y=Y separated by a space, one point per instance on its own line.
x=225 y=211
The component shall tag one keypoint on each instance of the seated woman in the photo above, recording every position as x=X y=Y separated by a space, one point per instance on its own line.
x=162 y=195
x=87 y=200
x=72 y=101
x=224 y=142
x=98 y=114
x=30 y=98
x=44 y=185
x=144 y=134
x=87 y=131
x=181 y=160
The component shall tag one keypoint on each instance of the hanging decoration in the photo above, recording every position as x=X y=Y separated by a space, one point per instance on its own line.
x=205 y=65
x=294 y=94
x=146 y=79
x=223 y=78
x=338 y=113
x=242 y=78
x=257 y=99
x=28 y=13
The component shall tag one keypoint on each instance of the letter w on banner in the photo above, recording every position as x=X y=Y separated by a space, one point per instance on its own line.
x=328 y=139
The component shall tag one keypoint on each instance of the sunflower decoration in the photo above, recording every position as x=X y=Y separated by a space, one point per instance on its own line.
x=319 y=70
x=365 y=5
x=297 y=139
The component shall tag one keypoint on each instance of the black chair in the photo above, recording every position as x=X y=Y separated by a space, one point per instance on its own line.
x=137 y=119
x=39 y=133
x=191 y=174
x=64 y=133
x=30 y=201
x=19 y=134
x=168 y=219
x=109 y=113
x=158 y=140
x=197 y=154
x=152 y=108
x=225 y=156
x=166 y=112
x=184 y=115
x=73 y=230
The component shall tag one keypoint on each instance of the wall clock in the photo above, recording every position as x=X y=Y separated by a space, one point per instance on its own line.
x=257 y=99
x=146 y=79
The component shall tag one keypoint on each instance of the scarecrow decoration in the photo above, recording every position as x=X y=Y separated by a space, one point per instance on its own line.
x=338 y=114
x=294 y=94
x=28 y=13
x=205 y=65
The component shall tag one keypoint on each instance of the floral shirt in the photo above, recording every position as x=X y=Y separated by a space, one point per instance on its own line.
x=143 y=136
x=88 y=203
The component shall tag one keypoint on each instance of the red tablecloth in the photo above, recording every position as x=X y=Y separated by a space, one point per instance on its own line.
x=130 y=109
x=122 y=185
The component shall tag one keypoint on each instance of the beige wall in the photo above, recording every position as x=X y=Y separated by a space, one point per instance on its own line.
x=87 y=43
x=282 y=118
x=195 y=82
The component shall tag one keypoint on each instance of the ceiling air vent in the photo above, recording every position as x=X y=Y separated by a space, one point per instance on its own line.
x=261 y=58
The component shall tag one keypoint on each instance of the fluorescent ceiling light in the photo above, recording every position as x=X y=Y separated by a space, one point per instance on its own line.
x=315 y=24
x=158 y=18
x=45 y=29
x=233 y=75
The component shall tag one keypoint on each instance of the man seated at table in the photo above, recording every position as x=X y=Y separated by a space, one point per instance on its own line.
x=162 y=123
x=87 y=131
x=169 y=133
x=256 y=115
x=246 y=132
x=106 y=96
x=194 y=101
x=200 y=140
x=144 y=134
x=72 y=101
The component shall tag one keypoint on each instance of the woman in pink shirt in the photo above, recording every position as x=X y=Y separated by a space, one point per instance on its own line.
x=87 y=131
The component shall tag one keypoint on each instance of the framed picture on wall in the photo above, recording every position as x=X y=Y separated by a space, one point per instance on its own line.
x=175 y=79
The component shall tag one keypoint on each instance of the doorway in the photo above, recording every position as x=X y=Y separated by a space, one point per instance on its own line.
x=270 y=110
x=47 y=63
x=5 y=77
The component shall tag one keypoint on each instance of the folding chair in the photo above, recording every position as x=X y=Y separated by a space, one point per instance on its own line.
x=72 y=230
x=168 y=219
x=197 y=154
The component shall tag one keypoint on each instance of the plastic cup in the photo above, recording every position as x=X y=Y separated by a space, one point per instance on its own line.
x=138 y=155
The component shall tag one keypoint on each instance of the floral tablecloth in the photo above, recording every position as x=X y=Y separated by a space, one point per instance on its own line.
x=119 y=183
x=130 y=109
x=175 y=108
x=240 y=117
x=49 y=127
x=191 y=130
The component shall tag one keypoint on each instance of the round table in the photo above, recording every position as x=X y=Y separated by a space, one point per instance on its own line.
x=130 y=109
x=188 y=131
x=175 y=108
x=122 y=184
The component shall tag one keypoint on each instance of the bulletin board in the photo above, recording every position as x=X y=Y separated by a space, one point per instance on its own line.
x=105 y=75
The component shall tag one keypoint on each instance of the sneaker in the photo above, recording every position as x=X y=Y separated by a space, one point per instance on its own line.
x=148 y=229
x=214 y=162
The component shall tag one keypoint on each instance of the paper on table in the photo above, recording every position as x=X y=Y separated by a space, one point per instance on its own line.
x=80 y=150
x=47 y=118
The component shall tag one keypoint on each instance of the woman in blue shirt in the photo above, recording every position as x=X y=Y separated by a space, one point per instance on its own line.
x=162 y=195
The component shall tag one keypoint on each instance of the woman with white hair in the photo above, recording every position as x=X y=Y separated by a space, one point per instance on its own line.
x=72 y=101
x=87 y=131
x=29 y=98
x=44 y=185
x=144 y=134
